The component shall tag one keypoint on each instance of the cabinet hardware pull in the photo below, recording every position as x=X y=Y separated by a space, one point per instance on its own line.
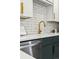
x=22 y=7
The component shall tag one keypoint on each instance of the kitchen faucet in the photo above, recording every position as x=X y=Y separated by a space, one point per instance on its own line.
x=39 y=29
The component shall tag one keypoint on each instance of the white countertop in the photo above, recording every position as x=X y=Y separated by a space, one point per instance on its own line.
x=25 y=56
x=37 y=36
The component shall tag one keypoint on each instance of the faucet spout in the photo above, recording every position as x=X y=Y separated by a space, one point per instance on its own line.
x=39 y=27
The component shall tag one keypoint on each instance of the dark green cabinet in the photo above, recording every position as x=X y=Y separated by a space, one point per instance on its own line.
x=46 y=52
x=56 y=48
x=47 y=48
x=50 y=48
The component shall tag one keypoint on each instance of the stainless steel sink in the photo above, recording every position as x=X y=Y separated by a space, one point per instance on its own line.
x=31 y=48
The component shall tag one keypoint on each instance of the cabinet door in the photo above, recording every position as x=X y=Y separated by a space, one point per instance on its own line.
x=46 y=41
x=56 y=47
x=56 y=51
x=46 y=52
x=46 y=49
x=26 y=8
x=50 y=48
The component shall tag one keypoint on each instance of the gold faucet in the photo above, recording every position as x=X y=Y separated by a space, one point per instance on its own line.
x=39 y=30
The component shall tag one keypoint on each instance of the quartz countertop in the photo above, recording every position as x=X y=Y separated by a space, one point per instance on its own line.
x=37 y=36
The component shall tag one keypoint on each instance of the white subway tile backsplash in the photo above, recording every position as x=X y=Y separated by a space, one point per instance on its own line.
x=30 y=25
x=39 y=13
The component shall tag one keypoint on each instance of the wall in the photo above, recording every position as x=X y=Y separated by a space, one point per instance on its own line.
x=31 y=26
x=39 y=13
x=51 y=26
x=56 y=9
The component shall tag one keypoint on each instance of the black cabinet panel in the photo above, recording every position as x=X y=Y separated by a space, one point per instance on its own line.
x=46 y=41
x=56 y=47
x=56 y=54
x=50 y=48
x=46 y=52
